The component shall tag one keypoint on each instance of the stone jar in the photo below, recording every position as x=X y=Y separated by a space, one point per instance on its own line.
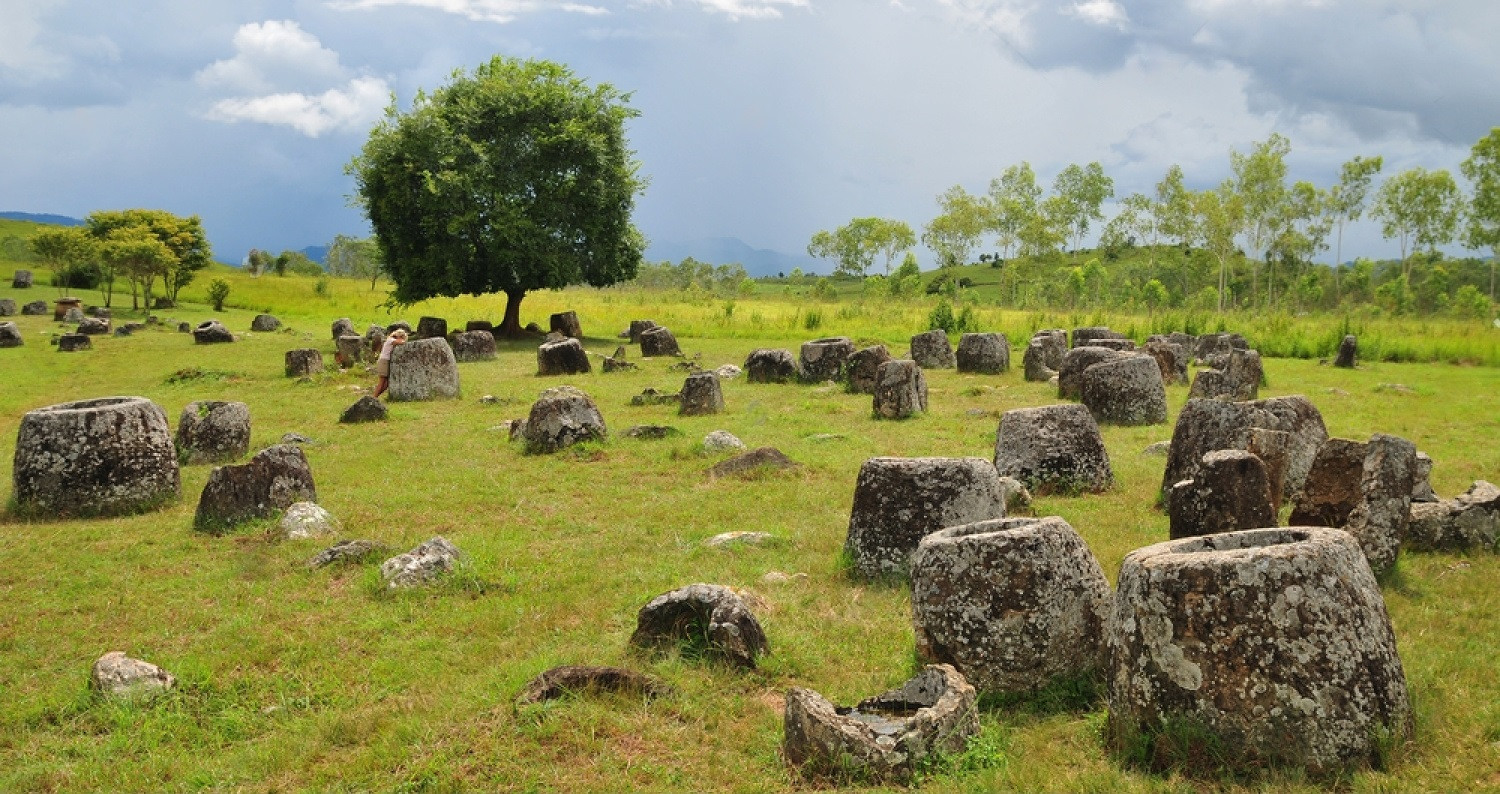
x=108 y=456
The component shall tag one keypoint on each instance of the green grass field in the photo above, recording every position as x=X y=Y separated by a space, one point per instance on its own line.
x=291 y=679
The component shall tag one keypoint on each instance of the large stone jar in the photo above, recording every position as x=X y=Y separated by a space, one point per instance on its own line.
x=108 y=456
x=1275 y=642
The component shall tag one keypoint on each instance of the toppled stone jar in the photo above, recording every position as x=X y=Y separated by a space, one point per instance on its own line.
x=1274 y=641
x=884 y=737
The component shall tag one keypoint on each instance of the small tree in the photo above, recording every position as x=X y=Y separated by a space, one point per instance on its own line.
x=218 y=291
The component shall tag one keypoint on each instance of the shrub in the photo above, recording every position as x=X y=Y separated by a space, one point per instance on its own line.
x=218 y=290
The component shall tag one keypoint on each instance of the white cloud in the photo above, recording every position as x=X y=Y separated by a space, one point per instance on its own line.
x=351 y=107
x=750 y=9
x=1106 y=13
x=271 y=54
x=21 y=52
x=501 y=11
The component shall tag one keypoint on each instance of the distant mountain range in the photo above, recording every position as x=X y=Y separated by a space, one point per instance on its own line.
x=731 y=250
x=35 y=217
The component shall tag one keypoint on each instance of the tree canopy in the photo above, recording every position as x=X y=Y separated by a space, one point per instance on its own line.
x=144 y=245
x=855 y=245
x=514 y=177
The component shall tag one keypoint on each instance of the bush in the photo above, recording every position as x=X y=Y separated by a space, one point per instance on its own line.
x=942 y=316
x=218 y=290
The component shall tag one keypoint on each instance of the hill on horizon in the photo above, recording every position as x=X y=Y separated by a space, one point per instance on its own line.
x=42 y=217
x=729 y=250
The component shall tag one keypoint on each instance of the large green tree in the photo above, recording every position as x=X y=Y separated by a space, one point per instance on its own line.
x=1013 y=202
x=355 y=257
x=183 y=250
x=70 y=252
x=953 y=234
x=512 y=178
x=1419 y=208
x=1082 y=191
x=1219 y=217
x=854 y=246
x=1260 y=180
x=1346 y=202
x=1482 y=169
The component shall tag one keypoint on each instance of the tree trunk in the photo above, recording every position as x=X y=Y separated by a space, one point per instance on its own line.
x=510 y=327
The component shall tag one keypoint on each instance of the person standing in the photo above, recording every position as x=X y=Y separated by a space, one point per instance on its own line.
x=383 y=363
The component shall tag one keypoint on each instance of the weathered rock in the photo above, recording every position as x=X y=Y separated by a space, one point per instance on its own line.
x=618 y=364
x=1171 y=359
x=374 y=339
x=265 y=322
x=1213 y=349
x=365 y=409
x=116 y=675
x=900 y=390
x=303 y=362
x=275 y=478
x=1348 y=350
x=931 y=350
x=658 y=341
x=1052 y=449
x=212 y=431
x=1471 y=522
x=93 y=326
x=983 y=353
x=565 y=357
x=727 y=371
x=758 y=459
x=823 y=359
x=638 y=327
x=343 y=326
x=1083 y=337
x=708 y=619
x=724 y=540
x=1421 y=488
x=432 y=328
x=34 y=308
x=1125 y=391
x=423 y=369
x=304 y=520
x=348 y=350
x=1206 y=425
x=108 y=456
x=566 y=323
x=702 y=395
x=1017 y=497
x=651 y=432
x=1230 y=492
x=184 y=328
x=74 y=314
x=1276 y=642
x=899 y=501
x=1238 y=379
x=766 y=365
x=401 y=325
x=1075 y=361
x=124 y=330
x=1275 y=448
x=21 y=279
x=211 y=332
x=1380 y=519
x=1120 y=345
x=1331 y=490
x=346 y=552
x=650 y=396
x=1012 y=603
x=7 y=307
x=721 y=440
x=561 y=417
x=862 y=369
x=883 y=738
x=69 y=343
x=574 y=679
x=422 y=565
x=10 y=335
x=480 y=325
x=1034 y=363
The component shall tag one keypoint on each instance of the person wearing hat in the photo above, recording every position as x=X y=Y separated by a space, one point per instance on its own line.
x=383 y=364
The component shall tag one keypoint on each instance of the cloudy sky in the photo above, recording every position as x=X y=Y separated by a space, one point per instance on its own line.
x=765 y=120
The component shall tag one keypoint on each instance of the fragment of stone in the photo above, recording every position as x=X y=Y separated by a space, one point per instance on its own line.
x=212 y=431
x=707 y=619
x=1159 y=449
x=1275 y=642
x=566 y=323
x=7 y=307
x=270 y=482
x=346 y=552
x=983 y=353
x=10 y=335
x=565 y=357
x=899 y=501
x=401 y=325
x=758 y=459
x=883 y=739
x=862 y=369
x=1238 y=380
x=1120 y=345
x=422 y=565
x=1053 y=449
x=1171 y=359
x=738 y=538
x=432 y=328
x=575 y=679
x=727 y=371
x=618 y=363
x=1206 y=425
x=265 y=322
x=295 y=438
x=900 y=390
x=1034 y=363
x=652 y=432
x=1084 y=337
x=1469 y=522
x=74 y=314
x=343 y=326
x=638 y=327
x=553 y=337
x=1014 y=603
x=124 y=330
x=303 y=362
x=423 y=369
x=721 y=440
x=34 y=308
x=932 y=350
x=1230 y=492
x=561 y=417
x=1421 y=488
x=659 y=341
x=1331 y=490
x=768 y=365
x=1016 y=495
x=701 y=395
x=1075 y=361
x=1348 y=351
x=21 y=279
x=72 y=343
x=348 y=350
x=304 y=520
x=374 y=340
x=651 y=396
x=1379 y=521
x=1213 y=349
x=211 y=332
x=116 y=675
x=823 y=359
x=93 y=326
x=1125 y=391
x=107 y=456
x=1275 y=449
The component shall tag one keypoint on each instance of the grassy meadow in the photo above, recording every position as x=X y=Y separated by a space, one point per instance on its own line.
x=291 y=679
